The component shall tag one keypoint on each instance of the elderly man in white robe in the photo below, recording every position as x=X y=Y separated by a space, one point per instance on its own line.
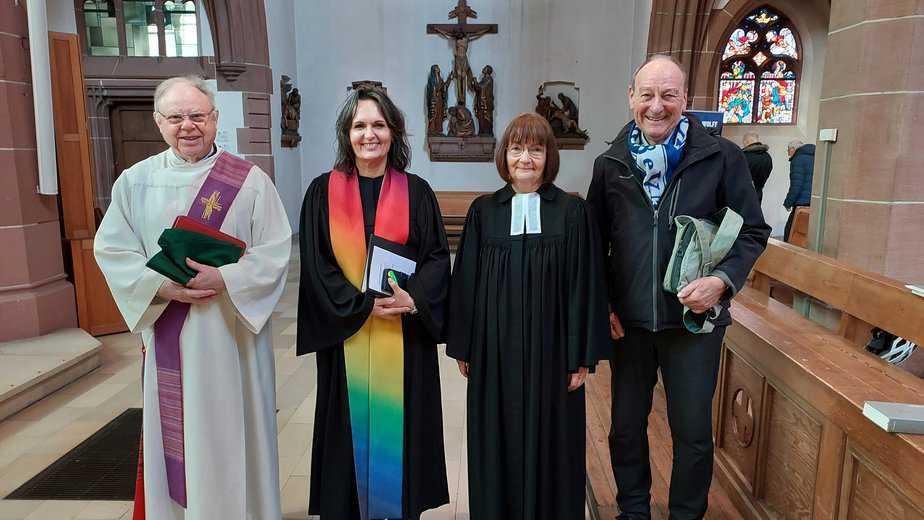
x=221 y=461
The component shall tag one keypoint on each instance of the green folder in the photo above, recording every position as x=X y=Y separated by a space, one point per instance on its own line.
x=176 y=245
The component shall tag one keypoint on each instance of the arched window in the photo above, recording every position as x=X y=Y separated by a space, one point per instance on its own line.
x=139 y=27
x=180 y=28
x=760 y=70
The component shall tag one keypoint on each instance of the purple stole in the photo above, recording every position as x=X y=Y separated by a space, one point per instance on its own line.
x=210 y=206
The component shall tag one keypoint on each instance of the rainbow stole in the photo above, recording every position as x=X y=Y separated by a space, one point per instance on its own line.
x=375 y=354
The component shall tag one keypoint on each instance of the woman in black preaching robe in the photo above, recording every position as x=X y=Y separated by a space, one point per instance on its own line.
x=528 y=321
x=373 y=151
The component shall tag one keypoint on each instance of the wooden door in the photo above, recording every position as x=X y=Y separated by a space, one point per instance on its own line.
x=134 y=135
x=96 y=310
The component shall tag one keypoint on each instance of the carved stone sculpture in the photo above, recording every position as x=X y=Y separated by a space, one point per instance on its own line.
x=461 y=123
x=437 y=90
x=461 y=70
x=563 y=119
x=291 y=112
x=460 y=143
x=568 y=115
x=484 y=101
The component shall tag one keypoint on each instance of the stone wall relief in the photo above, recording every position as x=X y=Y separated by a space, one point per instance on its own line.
x=559 y=103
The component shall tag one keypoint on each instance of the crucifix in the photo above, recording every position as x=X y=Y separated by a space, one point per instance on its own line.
x=461 y=34
x=461 y=143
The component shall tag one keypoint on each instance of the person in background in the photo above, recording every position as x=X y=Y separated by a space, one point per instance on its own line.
x=760 y=164
x=801 y=165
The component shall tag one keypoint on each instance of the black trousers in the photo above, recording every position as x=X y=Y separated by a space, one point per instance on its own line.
x=689 y=366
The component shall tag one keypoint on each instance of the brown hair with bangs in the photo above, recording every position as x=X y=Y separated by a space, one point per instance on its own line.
x=526 y=129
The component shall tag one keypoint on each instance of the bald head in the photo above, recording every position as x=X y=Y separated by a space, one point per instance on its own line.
x=193 y=81
x=659 y=58
x=658 y=97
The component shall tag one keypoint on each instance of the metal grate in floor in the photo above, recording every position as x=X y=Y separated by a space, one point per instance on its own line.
x=103 y=467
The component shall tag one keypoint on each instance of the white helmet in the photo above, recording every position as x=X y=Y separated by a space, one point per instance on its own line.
x=898 y=351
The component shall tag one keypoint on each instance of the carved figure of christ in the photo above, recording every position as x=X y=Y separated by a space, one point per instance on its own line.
x=461 y=75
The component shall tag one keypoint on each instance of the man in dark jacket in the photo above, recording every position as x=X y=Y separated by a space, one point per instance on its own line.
x=661 y=165
x=759 y=162
x=801 y=165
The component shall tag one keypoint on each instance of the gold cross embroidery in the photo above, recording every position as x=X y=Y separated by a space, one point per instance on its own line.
x=211 y=204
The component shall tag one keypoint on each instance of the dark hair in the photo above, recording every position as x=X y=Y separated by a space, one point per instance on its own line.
x=399 y=153
x=528 y=128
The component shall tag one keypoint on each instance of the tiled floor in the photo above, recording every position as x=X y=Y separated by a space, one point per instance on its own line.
x=40 y=434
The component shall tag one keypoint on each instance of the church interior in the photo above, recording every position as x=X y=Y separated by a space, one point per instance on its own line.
x=77 y=82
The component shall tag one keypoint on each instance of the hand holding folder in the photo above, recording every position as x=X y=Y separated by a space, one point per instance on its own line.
x=386 y=259
x=189 y=238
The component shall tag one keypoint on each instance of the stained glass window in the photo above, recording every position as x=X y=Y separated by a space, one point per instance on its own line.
x=102 y=34
x=180 y=28
x=759 y=75
x=150 y=28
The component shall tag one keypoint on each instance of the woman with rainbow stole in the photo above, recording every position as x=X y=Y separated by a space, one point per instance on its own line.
x=378 y=434
x=528 y=307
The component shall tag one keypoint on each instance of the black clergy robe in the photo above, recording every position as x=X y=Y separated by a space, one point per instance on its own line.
x=330 y=310
x=526 y=311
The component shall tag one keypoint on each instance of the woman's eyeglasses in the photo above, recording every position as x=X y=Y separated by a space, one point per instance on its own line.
x=535 y=151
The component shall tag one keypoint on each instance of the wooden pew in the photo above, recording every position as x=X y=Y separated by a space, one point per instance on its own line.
x=454 y=207
x=791 y=439
x=865 y=299
x=798 y=235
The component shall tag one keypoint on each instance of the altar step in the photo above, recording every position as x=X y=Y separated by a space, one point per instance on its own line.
x=33 y=368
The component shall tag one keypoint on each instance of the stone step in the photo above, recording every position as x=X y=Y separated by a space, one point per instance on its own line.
x=33 y=368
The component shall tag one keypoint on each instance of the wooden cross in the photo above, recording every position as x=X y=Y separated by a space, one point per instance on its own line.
x=462 y=13
x=211 y=204
x=461 y=34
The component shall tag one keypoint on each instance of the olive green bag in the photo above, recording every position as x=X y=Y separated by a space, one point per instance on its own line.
x=699 y=246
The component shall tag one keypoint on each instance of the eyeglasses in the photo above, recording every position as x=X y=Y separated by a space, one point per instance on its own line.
x=535 y=151
x=195 y=117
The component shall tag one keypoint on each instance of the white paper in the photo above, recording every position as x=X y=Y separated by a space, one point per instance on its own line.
x=383 y=259
x=524 y=214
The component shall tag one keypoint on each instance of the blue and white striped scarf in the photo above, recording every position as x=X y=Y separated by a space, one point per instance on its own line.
x=657 y=161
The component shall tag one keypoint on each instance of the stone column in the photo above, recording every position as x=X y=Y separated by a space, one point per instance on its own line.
x=679 y=28
x=873 y=94
x=35 y=296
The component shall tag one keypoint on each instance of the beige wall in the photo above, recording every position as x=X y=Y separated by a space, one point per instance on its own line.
x=872 y=94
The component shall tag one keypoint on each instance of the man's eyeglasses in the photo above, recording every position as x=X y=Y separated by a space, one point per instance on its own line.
x=195 y=117
x=535 y=151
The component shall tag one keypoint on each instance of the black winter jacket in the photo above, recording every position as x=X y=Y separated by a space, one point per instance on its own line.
x=638 y=239
x=760 y=165
x=801 y=165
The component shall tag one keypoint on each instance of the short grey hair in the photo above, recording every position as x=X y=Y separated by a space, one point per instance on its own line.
x=794 y=144
x=750 y=137
x=192 y=80
x=659 y=57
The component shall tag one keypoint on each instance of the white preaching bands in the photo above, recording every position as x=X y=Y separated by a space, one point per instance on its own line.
x=524 y=215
